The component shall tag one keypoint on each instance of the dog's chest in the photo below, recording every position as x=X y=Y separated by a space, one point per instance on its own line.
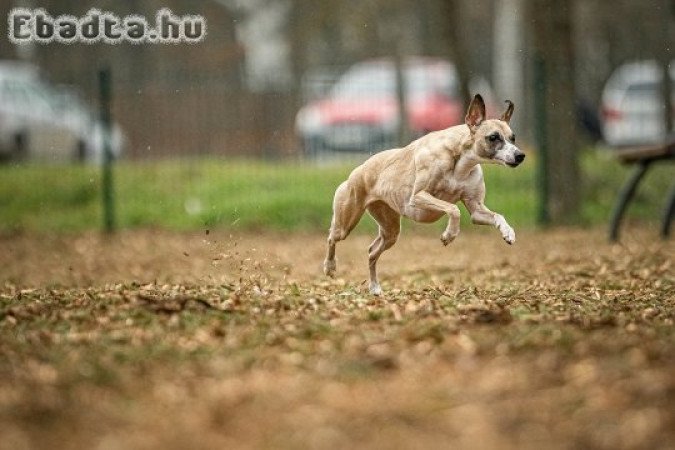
x=448 y=189
x=456 y=184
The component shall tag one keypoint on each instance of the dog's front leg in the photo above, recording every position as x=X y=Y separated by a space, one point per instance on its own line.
x=424 y=200
x=481 y=215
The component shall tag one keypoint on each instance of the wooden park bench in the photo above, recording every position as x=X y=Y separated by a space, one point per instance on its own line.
x=643 y=158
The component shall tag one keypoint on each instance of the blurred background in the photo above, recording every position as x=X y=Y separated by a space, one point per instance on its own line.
x=255 y=126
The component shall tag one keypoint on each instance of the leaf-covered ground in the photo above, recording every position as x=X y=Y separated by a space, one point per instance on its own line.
x=166 y=340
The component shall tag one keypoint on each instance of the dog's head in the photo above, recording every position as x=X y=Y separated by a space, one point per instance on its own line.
x=493 y=139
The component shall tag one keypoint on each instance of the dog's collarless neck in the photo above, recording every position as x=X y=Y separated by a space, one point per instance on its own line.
x=464 y=166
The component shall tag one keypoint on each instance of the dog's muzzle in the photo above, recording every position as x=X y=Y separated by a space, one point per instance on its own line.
x=518 y=158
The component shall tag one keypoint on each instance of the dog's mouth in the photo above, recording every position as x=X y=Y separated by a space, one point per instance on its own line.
x=507 y=163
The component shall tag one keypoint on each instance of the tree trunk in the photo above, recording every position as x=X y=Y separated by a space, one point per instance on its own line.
x=393 y=22
x=665 y=55
x=298 y=37
x=399 y=67
x=453 y=11
x=508 y=45
x=551 y=24
x=7 y=50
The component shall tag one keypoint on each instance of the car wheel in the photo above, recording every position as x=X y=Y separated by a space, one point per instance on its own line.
x=311 y=147
x=80 y=152
x=20 y=150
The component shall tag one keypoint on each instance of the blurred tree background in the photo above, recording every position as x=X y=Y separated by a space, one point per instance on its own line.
x=237 y=93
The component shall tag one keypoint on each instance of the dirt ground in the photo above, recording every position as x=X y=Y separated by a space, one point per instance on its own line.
x=150 y=339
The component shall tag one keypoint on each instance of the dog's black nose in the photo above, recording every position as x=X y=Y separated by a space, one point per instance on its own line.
x=520 y=157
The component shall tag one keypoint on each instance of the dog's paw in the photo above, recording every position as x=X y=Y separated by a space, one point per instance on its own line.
x=375 y=289
x=329 y=267
x=447 y=237
x=505 y=229
x=509 y=236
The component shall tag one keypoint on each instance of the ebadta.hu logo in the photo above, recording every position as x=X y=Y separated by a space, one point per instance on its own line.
x=37 y=25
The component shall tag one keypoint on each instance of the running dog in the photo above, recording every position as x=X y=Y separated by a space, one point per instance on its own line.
x=423 y=181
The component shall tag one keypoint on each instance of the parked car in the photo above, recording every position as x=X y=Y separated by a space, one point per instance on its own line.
x=360 y=113
x=41 y=121
x=632 y=108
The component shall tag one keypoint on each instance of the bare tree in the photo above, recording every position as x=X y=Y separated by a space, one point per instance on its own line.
x=508 y=45
x=452 y=9
x=551 y=23
x=665 y=55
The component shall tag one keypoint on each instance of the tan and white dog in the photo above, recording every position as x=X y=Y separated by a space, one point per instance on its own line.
x=423 y=181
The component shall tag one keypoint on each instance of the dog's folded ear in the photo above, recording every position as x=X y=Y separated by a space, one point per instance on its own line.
x=476 y=113
x=506 y=117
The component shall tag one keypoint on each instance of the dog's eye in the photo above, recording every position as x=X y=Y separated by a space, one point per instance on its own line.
x=494 y=137
x=513 y=138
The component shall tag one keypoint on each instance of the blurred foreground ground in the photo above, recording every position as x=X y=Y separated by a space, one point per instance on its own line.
x=152 y=339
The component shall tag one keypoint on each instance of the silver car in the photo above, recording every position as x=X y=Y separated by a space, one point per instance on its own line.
x=39 y=121
x=632 y=108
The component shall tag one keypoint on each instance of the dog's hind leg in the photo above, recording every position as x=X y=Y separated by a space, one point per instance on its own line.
x=390 y=227
x=348 y=208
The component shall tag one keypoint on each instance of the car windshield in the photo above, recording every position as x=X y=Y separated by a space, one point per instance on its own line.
x=379 y=80
x=645 y=90
x=28 y=93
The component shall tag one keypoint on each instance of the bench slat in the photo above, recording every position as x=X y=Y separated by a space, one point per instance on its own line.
x=660 y=151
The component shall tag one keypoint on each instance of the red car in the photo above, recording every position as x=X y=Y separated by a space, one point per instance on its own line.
x=361 y=111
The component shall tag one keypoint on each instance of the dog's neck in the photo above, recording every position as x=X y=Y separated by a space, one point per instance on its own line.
x=467 y=159
x=466 y=163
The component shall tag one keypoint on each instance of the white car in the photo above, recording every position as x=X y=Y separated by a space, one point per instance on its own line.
x=43 y=122
x=632 y=110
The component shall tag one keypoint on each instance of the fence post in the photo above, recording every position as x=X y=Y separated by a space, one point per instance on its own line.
x=105 y=95
x=541 y=137
x=664 y=58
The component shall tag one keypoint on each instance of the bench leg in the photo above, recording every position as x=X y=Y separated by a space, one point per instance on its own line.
x=625 y=196
x=668 y=214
